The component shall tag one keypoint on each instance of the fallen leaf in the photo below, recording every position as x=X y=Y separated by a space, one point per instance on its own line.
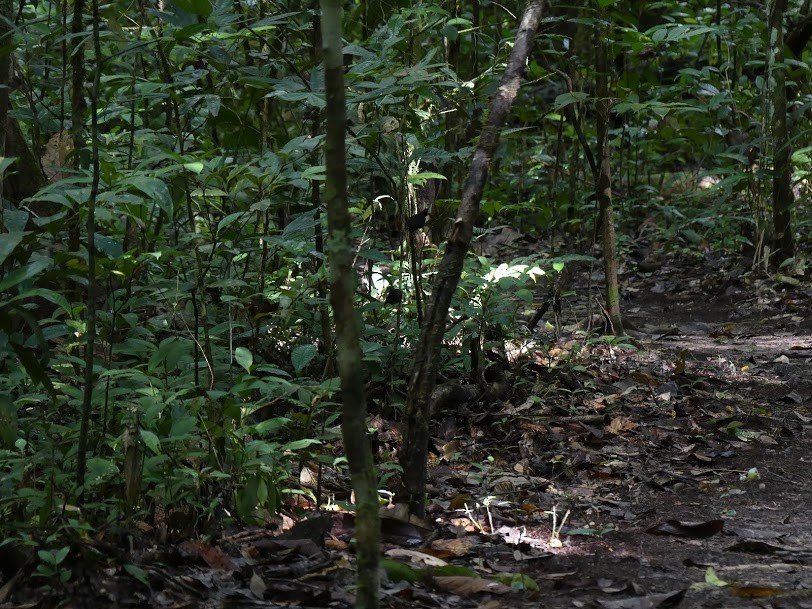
x=678 y=529
x=257 y=586
x=466 y=586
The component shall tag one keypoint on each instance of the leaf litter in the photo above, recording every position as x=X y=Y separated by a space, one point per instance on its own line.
x=671 y=474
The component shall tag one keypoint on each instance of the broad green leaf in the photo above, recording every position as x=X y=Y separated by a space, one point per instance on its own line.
x=112 y=248
x=299 y=444
x=244 y=358
x=567 y=99
x=33 y=367
x=317 y=172
x=98 y=469
x=195 y=7
x=247 y=497
x=422 y=178
x=151 y=441
x=16 y=220
x=138 y=573
x=398 y=571
x=156 y=190
x=302 y=355
x=229 y=220
x=271 y=425
x=182 y=427
x=22 y=274
x=9 y=241
x=61 y=554
x=525 y=295
x=5 y=163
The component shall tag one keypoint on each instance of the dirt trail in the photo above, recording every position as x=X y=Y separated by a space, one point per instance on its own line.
x=732 y=441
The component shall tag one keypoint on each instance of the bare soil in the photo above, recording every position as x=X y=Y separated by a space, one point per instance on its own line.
x=682 y=466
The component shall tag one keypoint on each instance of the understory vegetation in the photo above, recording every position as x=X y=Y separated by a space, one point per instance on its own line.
x=167 y=348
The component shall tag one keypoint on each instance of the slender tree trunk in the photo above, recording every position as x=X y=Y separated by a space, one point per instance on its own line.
x=78 y=106
x=6 y=42
x=90 y=311
x=783 y=198
x=427 y=356
x=342 y=289
x=603 y=180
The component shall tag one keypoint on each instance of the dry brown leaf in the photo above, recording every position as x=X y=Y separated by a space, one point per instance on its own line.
x=457 y=547
x=466 y=586
x=57 y=153
x=415 y=557
x=621 y=424
x=257 y=586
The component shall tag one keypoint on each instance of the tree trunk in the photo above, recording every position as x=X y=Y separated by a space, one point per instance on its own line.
x=603 y=180
x=78 y=106
x=427 y=357
x=339 y=257
x=783 y=198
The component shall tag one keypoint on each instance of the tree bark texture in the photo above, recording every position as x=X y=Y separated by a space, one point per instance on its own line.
x=603 y=180
x=6 y=43
x=426 y=362
x=342 y=290
x=783 y=198
x=78 y=107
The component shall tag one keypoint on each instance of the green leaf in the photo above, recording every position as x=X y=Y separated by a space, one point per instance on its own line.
x=98 y=469
x=247 y=497
x=112 y=248
x=567 y=99
x=33 y=367
x=517 y=581
x=271 y=425
x=138 y=573
x=9 y=241
x=156 y=190
x=244 y=358
x=196 y=7
x=317 y=172
x=21 y=274
x=421 y=178
x=397 y=571
x=61 y=555
x=195 y=167
x=713 y=579
x=150 y=440
x=5 y=163
x=299 y=444
x=229 y=220
x=301 y=356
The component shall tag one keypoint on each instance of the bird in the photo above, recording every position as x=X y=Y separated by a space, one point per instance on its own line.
x=417 y=221
x=393 y=296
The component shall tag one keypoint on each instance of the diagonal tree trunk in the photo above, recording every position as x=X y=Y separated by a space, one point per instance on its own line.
x=427 y=357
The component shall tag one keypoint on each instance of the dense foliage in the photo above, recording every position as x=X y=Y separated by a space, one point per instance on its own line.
x=213 y=376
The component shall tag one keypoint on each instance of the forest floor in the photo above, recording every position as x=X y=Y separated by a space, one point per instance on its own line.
x=679 y=473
